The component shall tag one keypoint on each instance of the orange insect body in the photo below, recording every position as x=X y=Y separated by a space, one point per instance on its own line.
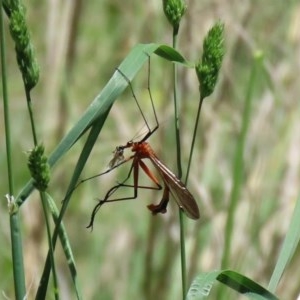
x=181 y=194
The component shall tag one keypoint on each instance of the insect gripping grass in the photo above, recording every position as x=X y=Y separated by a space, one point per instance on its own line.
x=141 y=151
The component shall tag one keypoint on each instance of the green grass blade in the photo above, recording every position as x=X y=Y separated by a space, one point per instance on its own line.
x=66 y=246
x=288 y=249
x=238 y=167
x=244 y=285
x=59 y=230
x=171 y=54
x=101 y=104
x=202 y=285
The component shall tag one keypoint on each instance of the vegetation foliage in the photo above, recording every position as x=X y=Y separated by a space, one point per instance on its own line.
x=243 y=166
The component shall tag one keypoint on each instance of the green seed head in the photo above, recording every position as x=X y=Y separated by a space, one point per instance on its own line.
x=39 y=168
x=208 y=67
x=174 y=10
x=24 y=49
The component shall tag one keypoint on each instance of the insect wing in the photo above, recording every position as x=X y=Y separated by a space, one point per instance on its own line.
x=184 y=198
x=181 y=194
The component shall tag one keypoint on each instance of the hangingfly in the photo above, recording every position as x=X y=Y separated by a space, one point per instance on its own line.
x=141 y=151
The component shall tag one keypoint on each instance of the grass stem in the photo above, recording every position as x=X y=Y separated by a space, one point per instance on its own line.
x=16 y=237
x=179 y=169
x=193 y=140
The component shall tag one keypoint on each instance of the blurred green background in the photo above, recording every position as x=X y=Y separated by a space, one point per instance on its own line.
x=130 y=254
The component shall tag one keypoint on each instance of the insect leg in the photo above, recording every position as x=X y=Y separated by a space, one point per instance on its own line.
x=134 y=97
x=152 y=105
x=95 y=176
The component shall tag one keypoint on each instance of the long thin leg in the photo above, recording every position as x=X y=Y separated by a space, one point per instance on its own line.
x=135 y=99
x=134 y=196
x=150 y=132
x=135 y=167
x=161 y=207
x=98 y=175
x=135 y=164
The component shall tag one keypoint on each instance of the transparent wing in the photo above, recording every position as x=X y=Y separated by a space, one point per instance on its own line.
x=181 y=194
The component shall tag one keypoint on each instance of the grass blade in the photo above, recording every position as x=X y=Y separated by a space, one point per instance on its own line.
x=66 y=246
x=238 y=167
x=202 y=285
x=289 y=246
x=59 y=230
